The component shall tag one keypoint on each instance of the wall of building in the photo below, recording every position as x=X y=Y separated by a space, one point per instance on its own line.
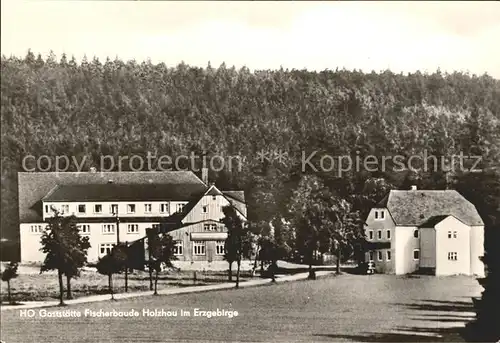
x=459 y=244
x=405 y=244
x=30 y=242
x=385 y=224
x=184 y=235
x=427 y=248
x=477 y=250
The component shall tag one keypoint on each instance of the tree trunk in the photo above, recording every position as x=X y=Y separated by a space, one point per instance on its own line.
x=8 y=292
x=230 y=271
x=61 y=288
x=255 y=263
x=150 y=277
x=69 y=295
x=274 y=267
x=110 y=283
x=126 y=278
x=238 y=273
x=339 y=256
x=156 y=282
x=312 y=274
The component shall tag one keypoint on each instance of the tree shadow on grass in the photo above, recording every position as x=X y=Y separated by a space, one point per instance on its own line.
x=441 y=306
x=403 y=334
x=429 y=314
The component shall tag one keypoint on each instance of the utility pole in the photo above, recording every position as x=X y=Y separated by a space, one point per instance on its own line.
x=117 y=227
x=126 y=267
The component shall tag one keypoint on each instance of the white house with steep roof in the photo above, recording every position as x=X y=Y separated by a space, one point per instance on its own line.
x=435 y=232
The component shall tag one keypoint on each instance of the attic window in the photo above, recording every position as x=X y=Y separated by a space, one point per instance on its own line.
x=214 y=197
x=415 y=233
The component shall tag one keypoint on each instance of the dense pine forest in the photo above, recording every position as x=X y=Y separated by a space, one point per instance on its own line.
x=119 y=108
x=93 y=108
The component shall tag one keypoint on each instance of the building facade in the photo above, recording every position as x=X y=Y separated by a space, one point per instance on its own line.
x=114 y=207
x=434 y=232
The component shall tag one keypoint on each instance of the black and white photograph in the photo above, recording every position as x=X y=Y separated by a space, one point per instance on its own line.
x=250 y=171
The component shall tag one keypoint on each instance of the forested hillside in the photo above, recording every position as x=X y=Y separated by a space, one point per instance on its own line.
x=119 y=108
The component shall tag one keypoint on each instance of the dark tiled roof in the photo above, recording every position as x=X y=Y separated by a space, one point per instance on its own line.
x=236 y=195
x=124 y=192
x=433 y=221
x=33 y=186
x=415 y=207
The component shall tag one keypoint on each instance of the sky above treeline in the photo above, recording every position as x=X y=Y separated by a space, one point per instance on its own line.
x=400 y=36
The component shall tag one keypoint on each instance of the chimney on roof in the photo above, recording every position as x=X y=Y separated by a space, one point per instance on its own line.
x=204 y=175
x=413 y=187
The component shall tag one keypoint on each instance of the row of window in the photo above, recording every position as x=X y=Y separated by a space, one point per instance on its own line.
x=85 y=228
x=452 y=256
x=388 y=255
x=451 y=234
x=113 y=208
x=210 y=227
x=379 y=214
x=379 y=234
x=380 y=256
x=199 y=248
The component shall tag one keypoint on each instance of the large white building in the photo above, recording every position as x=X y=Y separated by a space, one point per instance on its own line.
x=430 y=231
x=120 y=206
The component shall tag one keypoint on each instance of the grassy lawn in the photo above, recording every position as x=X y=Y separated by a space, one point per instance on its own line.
x=32 y=286
x=375 y=308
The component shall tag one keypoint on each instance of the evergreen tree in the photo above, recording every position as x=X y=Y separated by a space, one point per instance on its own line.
x=65 y=249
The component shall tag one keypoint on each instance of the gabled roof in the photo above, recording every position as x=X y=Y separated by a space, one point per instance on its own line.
x=415 y=207
x=33 y=186
x=212 y=190
x=124 y=192
x=433 y=221
x=236 y=195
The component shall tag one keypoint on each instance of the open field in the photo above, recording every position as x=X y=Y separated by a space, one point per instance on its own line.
x=375 y=308
x=32 y=286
